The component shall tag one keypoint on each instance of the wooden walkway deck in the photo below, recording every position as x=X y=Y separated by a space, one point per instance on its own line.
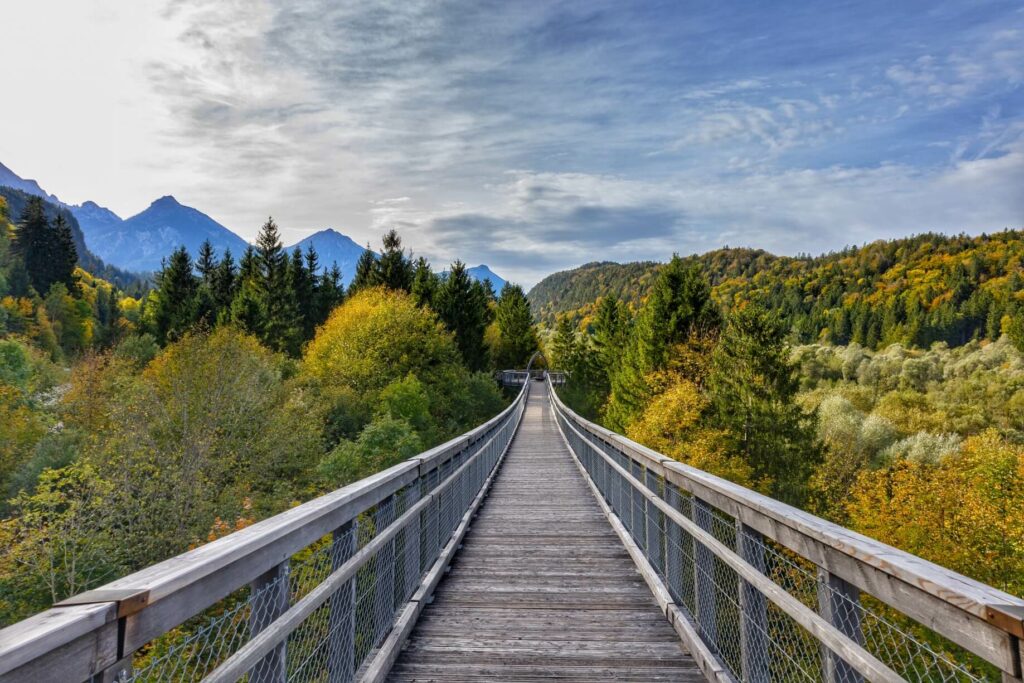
x=542 y=589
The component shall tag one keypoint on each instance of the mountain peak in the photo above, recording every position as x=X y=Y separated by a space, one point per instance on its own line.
x=166 y=200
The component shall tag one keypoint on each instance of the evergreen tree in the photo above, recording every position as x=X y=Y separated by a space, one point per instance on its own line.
x=330 y=293
x=610 y=330
x=752 y=387
x=679 y=308
x=224 y=285
x=63 y=254
x=206 y=262
x=46 y=251
x=464 y=314
x=367 y=273
x=281 y=329
x=394 y=268
x=424 y=283
x=175 y=297
x=564 y=345
x=302 y=285
x=517 y=338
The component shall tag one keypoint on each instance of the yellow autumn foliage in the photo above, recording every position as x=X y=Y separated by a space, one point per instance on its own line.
x=966 y=512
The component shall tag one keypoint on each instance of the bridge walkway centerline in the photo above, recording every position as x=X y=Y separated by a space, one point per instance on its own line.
x=542 y=588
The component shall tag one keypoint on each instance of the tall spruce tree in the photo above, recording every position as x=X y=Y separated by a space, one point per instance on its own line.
x=330 y=293
x=517 y=338
x=424 y=283
x=206 y=262
x=46 y=251
x=679 y=307
x=281 y=329
x=464 y=313
x=367 y=273
x=64 y=255
x=175 y=297
x=752 y=386
x=395 y=269
x=224 y=285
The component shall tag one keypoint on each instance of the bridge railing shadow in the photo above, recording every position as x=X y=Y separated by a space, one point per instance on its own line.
x=761 y=591
x=326 y=591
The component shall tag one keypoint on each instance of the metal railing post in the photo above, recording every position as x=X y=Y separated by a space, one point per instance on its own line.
x=385 y=571
x=411 y=545
x=838 y=603
x=341 y=650
x=655 y=523
x=269 y=600
x=674 y=548
x=753 y=609
x=704 y=576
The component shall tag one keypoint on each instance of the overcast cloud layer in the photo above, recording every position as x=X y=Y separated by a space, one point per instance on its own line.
x=531 y=136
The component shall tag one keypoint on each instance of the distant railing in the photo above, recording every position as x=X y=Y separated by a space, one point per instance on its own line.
x=760 y=591
x=323 y=592
x=515 y=378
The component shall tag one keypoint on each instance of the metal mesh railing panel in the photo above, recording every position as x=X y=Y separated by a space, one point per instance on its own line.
x=342 y=635
x=753 y=638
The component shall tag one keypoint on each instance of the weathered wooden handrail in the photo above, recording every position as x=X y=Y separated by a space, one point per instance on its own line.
x=979 y=618
x=97 y=632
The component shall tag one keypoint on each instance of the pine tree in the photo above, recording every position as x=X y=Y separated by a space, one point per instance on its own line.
x=32 y=244
x=517 y=338
x=281 y=329
x=424 y=283
x=367 y=273
x=330 y=293
x=64 y=256
x=302 y=284
x=609 y=334
x=564 y=345
x=206 y=262
x=679 y=308
x=752 y=387
x=463 y=313
x=394 y=267
x=175 y=297
x=224 y=285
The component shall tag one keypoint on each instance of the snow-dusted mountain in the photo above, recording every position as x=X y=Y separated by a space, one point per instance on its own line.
x=483 y=272
x=333 y=247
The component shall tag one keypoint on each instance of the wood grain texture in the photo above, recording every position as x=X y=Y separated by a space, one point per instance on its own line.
x=542 y=589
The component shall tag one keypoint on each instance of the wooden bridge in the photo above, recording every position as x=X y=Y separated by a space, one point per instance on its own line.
x=536 y=547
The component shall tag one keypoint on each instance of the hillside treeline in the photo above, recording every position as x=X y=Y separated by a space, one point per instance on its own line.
x=134 y=429
x=920 y=448
x=914 y=291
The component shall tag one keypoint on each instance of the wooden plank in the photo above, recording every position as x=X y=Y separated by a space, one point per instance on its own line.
x=542 y=588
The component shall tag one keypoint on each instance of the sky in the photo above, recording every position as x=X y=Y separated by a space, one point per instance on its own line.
x=529 y=135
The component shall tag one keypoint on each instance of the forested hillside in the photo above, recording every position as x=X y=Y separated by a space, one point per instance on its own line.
x=134 y=429
x=922 y=448
x=913 y=291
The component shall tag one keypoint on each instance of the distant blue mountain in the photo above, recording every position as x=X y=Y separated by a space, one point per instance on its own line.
x=141 y=242
x=12 y=179
x=482 y=272
x=333 y=247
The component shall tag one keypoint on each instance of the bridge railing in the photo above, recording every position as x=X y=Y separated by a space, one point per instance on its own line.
x=323 y=592
x=761 y=591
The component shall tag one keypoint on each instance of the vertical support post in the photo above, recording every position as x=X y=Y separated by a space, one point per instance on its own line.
x=838 y=603
x=704 y=576
x=384 y=569
x=753 y=609
x=636 y=507
x=268 y=601
x=674 y=548
x=341 y=650
x=655 y=524
x=412 y=543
